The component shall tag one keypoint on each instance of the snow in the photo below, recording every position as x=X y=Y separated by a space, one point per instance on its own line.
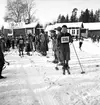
x=92 y=26
x=32 y=80
x=91 y=48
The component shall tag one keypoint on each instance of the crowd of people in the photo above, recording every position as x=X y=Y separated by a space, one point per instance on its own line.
x=28 y=43
x=95 y=38
x=60 y=45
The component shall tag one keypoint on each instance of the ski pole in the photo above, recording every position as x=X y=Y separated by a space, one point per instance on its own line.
x=78 y=60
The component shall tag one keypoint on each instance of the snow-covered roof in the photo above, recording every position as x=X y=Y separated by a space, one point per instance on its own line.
x=69 y=25
x=92 y=26
x=31 y=25
x=19 y=25
x=6 y=25
x=49 y=27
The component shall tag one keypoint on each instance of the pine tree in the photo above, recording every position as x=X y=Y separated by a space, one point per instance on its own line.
x=86 y=16
x=63 y=19
x=67 y=19
x=73 y=17
x=91 y=16
x=59 y=19
x=81 y=16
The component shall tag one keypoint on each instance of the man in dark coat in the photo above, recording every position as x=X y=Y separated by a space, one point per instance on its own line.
x=2 y=62
x=65 y=38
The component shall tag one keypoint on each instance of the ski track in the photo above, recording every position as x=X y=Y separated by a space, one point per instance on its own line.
x=38 y=79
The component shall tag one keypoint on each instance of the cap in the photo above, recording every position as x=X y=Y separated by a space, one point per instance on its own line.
x=58 y=28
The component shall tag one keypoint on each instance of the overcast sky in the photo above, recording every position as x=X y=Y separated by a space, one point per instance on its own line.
x=48 y=10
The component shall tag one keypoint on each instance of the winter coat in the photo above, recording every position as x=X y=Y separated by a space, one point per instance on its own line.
x=21 y=43
x=2 y=60
x=64 y=46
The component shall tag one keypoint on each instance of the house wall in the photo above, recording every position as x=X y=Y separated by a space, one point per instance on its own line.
x=94 y=32
x=84 y=33
x=74 y=31
x=30 y=30
x=18 y=32
x=7 y=31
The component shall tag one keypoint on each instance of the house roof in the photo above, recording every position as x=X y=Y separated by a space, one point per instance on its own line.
x=49 y=27
x=32 y=25
x=69 y=25
x=92 y=26
x=21 y=25
x=6 y=25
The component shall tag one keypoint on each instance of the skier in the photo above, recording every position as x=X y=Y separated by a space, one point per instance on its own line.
x=21 y=45
x=65 y=38
x=80 y=43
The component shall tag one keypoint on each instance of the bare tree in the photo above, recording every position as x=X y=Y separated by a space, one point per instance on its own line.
x=29 y=11
x=19 y=10
x=15 y=10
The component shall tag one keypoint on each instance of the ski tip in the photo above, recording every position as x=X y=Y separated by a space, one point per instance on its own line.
x=82 y=72
x=56 y=68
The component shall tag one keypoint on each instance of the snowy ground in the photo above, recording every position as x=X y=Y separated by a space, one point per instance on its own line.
x=33 y=80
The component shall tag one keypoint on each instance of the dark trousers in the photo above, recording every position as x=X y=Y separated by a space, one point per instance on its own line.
x=1 y=68
x=80 y=44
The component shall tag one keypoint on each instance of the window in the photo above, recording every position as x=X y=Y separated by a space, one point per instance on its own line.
x=73 y=31
x=77 y=32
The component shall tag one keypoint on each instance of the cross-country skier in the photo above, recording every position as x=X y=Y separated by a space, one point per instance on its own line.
x=65 y=38
x=80 y=43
